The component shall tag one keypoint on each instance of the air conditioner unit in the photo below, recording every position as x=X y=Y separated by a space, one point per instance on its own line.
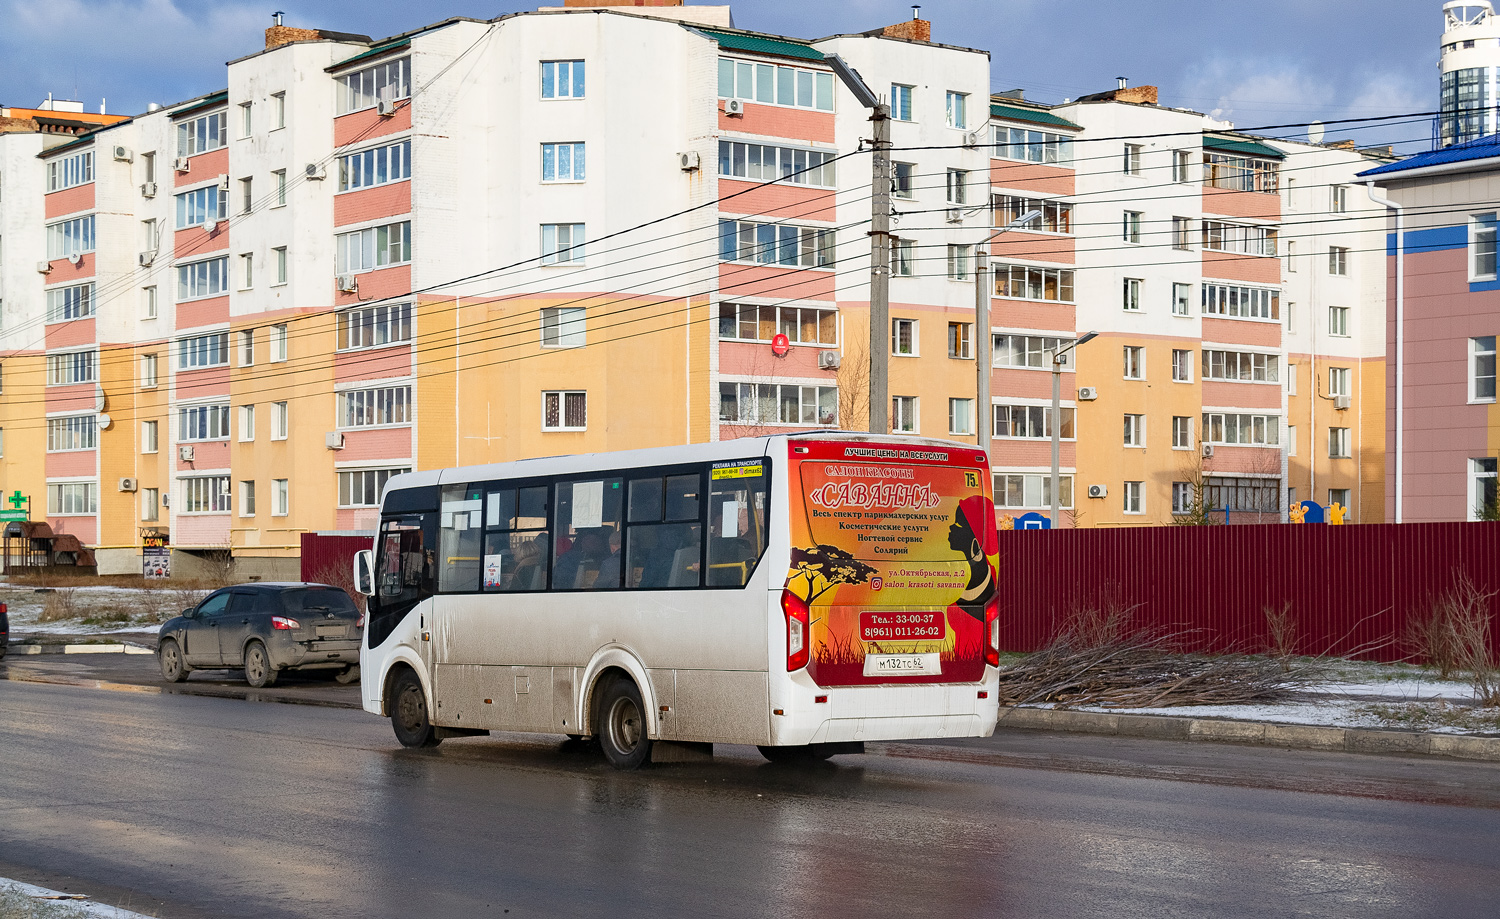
x=1098 y=491
x=1088 y=393
x=44 y=267
x=166 y=499
x=185 y=453
x=210 y=225
x=828 y=360
x=971 y=139
x=689 y=161
x=1208 y=450
x=181 y=164
x=314 y=171
x=148 y=189
x=348 y=283
x=123 y=154
x=128 y=484
x=223 y=183
x=734 y=107
x=77 y=259
x=1341 y=402
x=144 y=259
x=334 y=440
x=386 y=107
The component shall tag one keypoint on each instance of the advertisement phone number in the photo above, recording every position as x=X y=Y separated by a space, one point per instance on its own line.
x=901 y=626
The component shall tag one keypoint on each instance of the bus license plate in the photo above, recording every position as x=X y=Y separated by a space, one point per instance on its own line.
x=898 y=626
x=929 y=664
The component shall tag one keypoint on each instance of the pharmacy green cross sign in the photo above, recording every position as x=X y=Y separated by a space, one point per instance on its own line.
x=18 y=500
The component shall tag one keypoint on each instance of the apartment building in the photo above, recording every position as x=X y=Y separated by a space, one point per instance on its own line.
x=465 y=244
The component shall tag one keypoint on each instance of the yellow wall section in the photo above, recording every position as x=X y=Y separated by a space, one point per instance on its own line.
x=23 y=418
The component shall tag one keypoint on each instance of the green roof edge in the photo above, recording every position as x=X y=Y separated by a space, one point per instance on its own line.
x=759 y=44
x=1035 y=116
x=1248 y=147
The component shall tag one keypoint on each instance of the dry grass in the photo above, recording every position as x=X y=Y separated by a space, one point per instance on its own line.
x=60 y=604
x=1282 y=629
x=17 y=905
x=1455 y=636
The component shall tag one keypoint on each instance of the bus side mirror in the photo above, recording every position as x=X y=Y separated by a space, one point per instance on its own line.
x=364 y=572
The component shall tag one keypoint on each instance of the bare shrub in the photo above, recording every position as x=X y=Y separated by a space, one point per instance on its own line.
x=60 y=604
x=1429 y=636
x=1282 y=634
x=1454 y=636
x=1106 y=621
x=219 y=564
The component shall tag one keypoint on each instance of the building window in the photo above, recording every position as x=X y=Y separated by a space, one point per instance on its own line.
x=960 y=340
x=73 y=432
x=1241 y=429
x=247 y=195
x=1338 y=443
x=904 y=337
x=1338 y=381
x=362 y=487
x=1236 y=494
x=202 y=206
x=904 y=414
x=1182 y=497
x=73 y=498
x=1021 y=490
x=1482 y=369
x=148 y=371
x=148 y=302
x=1291 y=257
x=1131 y=164
x=957 y=110
x=1244 y=239
x=1029 y=145
x=563 y=327
x=1135 y=431
x=203 y=422
x=385 y=82
x=1132 y=295
x=1022 y=282
x=70 y=171
x=901 y=180
x=1032 y=421
x=901 y=102
x=69 y=303
x=1135 y=362
x=247 y=424
x=199 y=280
x=1027 y=350
x=958 y=181
x=211 y=350
x=247 y=271
x=1241 y=366
x=247 y=498
x=1338 y=199
x=279 y=256
x=150 y=441
x=565 y=411
x=376 y=166
x=1238 y=302
x=1240 y=173
x=374 y=326
x=279 y=177
x=958 y=263
x=71 y=367
x=1182 y=233
x=360 y=408
x=903 y=257
x=1133 y=498
x=281 y=497
x=801 y=325
x=204 y=133
x=769 y=403
x=1482 y=247
x=1338 y=260
x=562 y=243
x=278 y=342
x=1182 y=366
x=246 y=339
x=1182 y=298
x=278 y=110
x=562 y=79
x=1057 y=216
x=374 y=247
x=775 y=244
x=279 y=424
x=1182 y=432
x=563 y=162
x=1339 y=496
x=1484 y=497
x=771 y=84
x=1291 y=440
x=70 y=238
x=1182 y=162
x=150 y=504
x=1338 y=321
x=960 y=416
x=1131 y=226
x=793 y=165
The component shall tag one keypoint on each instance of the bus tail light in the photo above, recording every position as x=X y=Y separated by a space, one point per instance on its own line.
x=798 y=624
x=285 y=624
x=992 y=631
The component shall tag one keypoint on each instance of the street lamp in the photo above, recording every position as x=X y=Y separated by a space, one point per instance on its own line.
x=982 y=325
x=1057 y=420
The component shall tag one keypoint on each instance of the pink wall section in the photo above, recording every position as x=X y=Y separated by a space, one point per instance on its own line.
x=200 y=168
x=1242 y=395
x=70 y=200
x=1230 y=203
x=357 y=127
x=1242 y=332
x=775 y=121
x=373 y=364
x=193 y=241
x=195 y=313
x=64 y=271
x=375 y=285
x=393 y=200
x=384 y=444
x=737 y=280
x=200 y=529
x=207 y=454
x=1028 y=452
x=200 y=384
x=357 y=518
x=77 y=398
x=1256 y=460
x=1232 y=266
x=1027 y=314
x=1048 y=180
x=791 y=202
x=739 y=358
x=1009 y=382
x=1033 y=247
x=72 y=463
x=67 y=334
x=85 y=528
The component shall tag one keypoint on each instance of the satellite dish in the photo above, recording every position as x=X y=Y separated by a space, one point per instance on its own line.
x=1315 y=132
x=104 y=422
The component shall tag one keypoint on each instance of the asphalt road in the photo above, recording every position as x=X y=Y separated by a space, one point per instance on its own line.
x=185 y=806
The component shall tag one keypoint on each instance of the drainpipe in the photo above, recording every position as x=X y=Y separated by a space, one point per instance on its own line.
x=1400 y=340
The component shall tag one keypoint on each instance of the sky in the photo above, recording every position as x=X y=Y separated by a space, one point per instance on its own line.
x=1267 y=62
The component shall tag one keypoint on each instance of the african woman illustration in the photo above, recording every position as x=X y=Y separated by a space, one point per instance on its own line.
x=963 y=538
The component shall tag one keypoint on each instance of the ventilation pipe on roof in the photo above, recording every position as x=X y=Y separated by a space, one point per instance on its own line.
x=277 y=16
x=1121 y=82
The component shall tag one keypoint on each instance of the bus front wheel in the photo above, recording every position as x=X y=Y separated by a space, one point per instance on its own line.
x=622 y=726
x=408 y=708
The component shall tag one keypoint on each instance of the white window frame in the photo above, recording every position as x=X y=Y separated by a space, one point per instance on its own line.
x=1023 y=420
x=776 y=84
x=912 y=341
x=72 y=433
x=278 y=255
x=1482 y=248
x=150 y=371
x=577 y=158
x=1224 y=300
x=1481 y=347
x=561 y=397
x=740 y=321
x=957 y=187
x=1182 y=365
x=1182 y=498
x=368 y=482
x=901 y=107
x=205 y=422
x=1478 y=474
x=1338 y=261
x=387 y=245
x=905 y=414
x=1130 y=295
x=381 y=325
x=247 y=424
x=74 y=367
x=279 y=175
x=58 y=506
x=388 y=81
x=961 y=417
x=196 y=352
x=244 y=346
x=1182 y=299
x=958 y=263
x=247 y=498
x=247 y=271
x=203 y=133
x=1269 y=426
x=1339 y=446
x=278 y=343
x=563 y=243
x=574 y=83
x=210 y=490
x=1131 y=164
x=956 y=110
x=1131 y=226
x=1338 y=381
x=1037 y=483
x=280 y=420
x=808 y=398
x=70 y=171
x=762 y=243
x=1182 y=432
x=564 y=326
x=1134 y=362
x=150 y=504
x=281 y=497
x=71 y=237
x=203 y=279
x=150 y=302
x=1018 y=282
x=1133 y=499
x=201 y=206
x=1338 y=321
x=1029 y=145
x=1133 y=431
x=278 y=113
x=374 y=167
x=150 y=437
x=381 y=405
x=961 y=341
x=783 y=163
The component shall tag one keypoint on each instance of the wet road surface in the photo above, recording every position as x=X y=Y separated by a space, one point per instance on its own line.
x=187 y=806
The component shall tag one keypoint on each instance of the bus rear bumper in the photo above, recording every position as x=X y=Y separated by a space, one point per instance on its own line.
x=887 y=713
x=903 y=728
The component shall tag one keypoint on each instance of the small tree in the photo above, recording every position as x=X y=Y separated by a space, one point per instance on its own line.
x=1198 y=512
x=853 y=381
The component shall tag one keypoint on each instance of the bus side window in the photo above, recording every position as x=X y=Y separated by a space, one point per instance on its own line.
x=664 y=549
x=737 y=526
x=515 y=546
x=460 y=531
x=587 y=515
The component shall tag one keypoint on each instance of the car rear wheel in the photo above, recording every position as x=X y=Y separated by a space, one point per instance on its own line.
x=169 y=655
x=408 y=706
x=622 y=726
x=258 y=670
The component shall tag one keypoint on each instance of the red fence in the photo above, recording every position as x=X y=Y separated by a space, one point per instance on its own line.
x=1351 y=587
x=329 y=557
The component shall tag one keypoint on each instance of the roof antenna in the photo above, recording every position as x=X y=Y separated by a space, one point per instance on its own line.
x=277 y=16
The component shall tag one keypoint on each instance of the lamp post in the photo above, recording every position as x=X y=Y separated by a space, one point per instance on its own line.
x=1057 y=418
x=982 y=326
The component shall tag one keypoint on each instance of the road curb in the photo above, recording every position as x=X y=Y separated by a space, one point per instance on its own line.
x=55 y=648
x=1258 y=733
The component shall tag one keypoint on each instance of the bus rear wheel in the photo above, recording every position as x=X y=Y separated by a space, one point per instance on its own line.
x=408 y=706
x=622 y=726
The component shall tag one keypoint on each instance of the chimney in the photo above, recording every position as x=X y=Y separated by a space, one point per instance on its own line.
x=1140 y=94
x=279 y=34
x=917 y=29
